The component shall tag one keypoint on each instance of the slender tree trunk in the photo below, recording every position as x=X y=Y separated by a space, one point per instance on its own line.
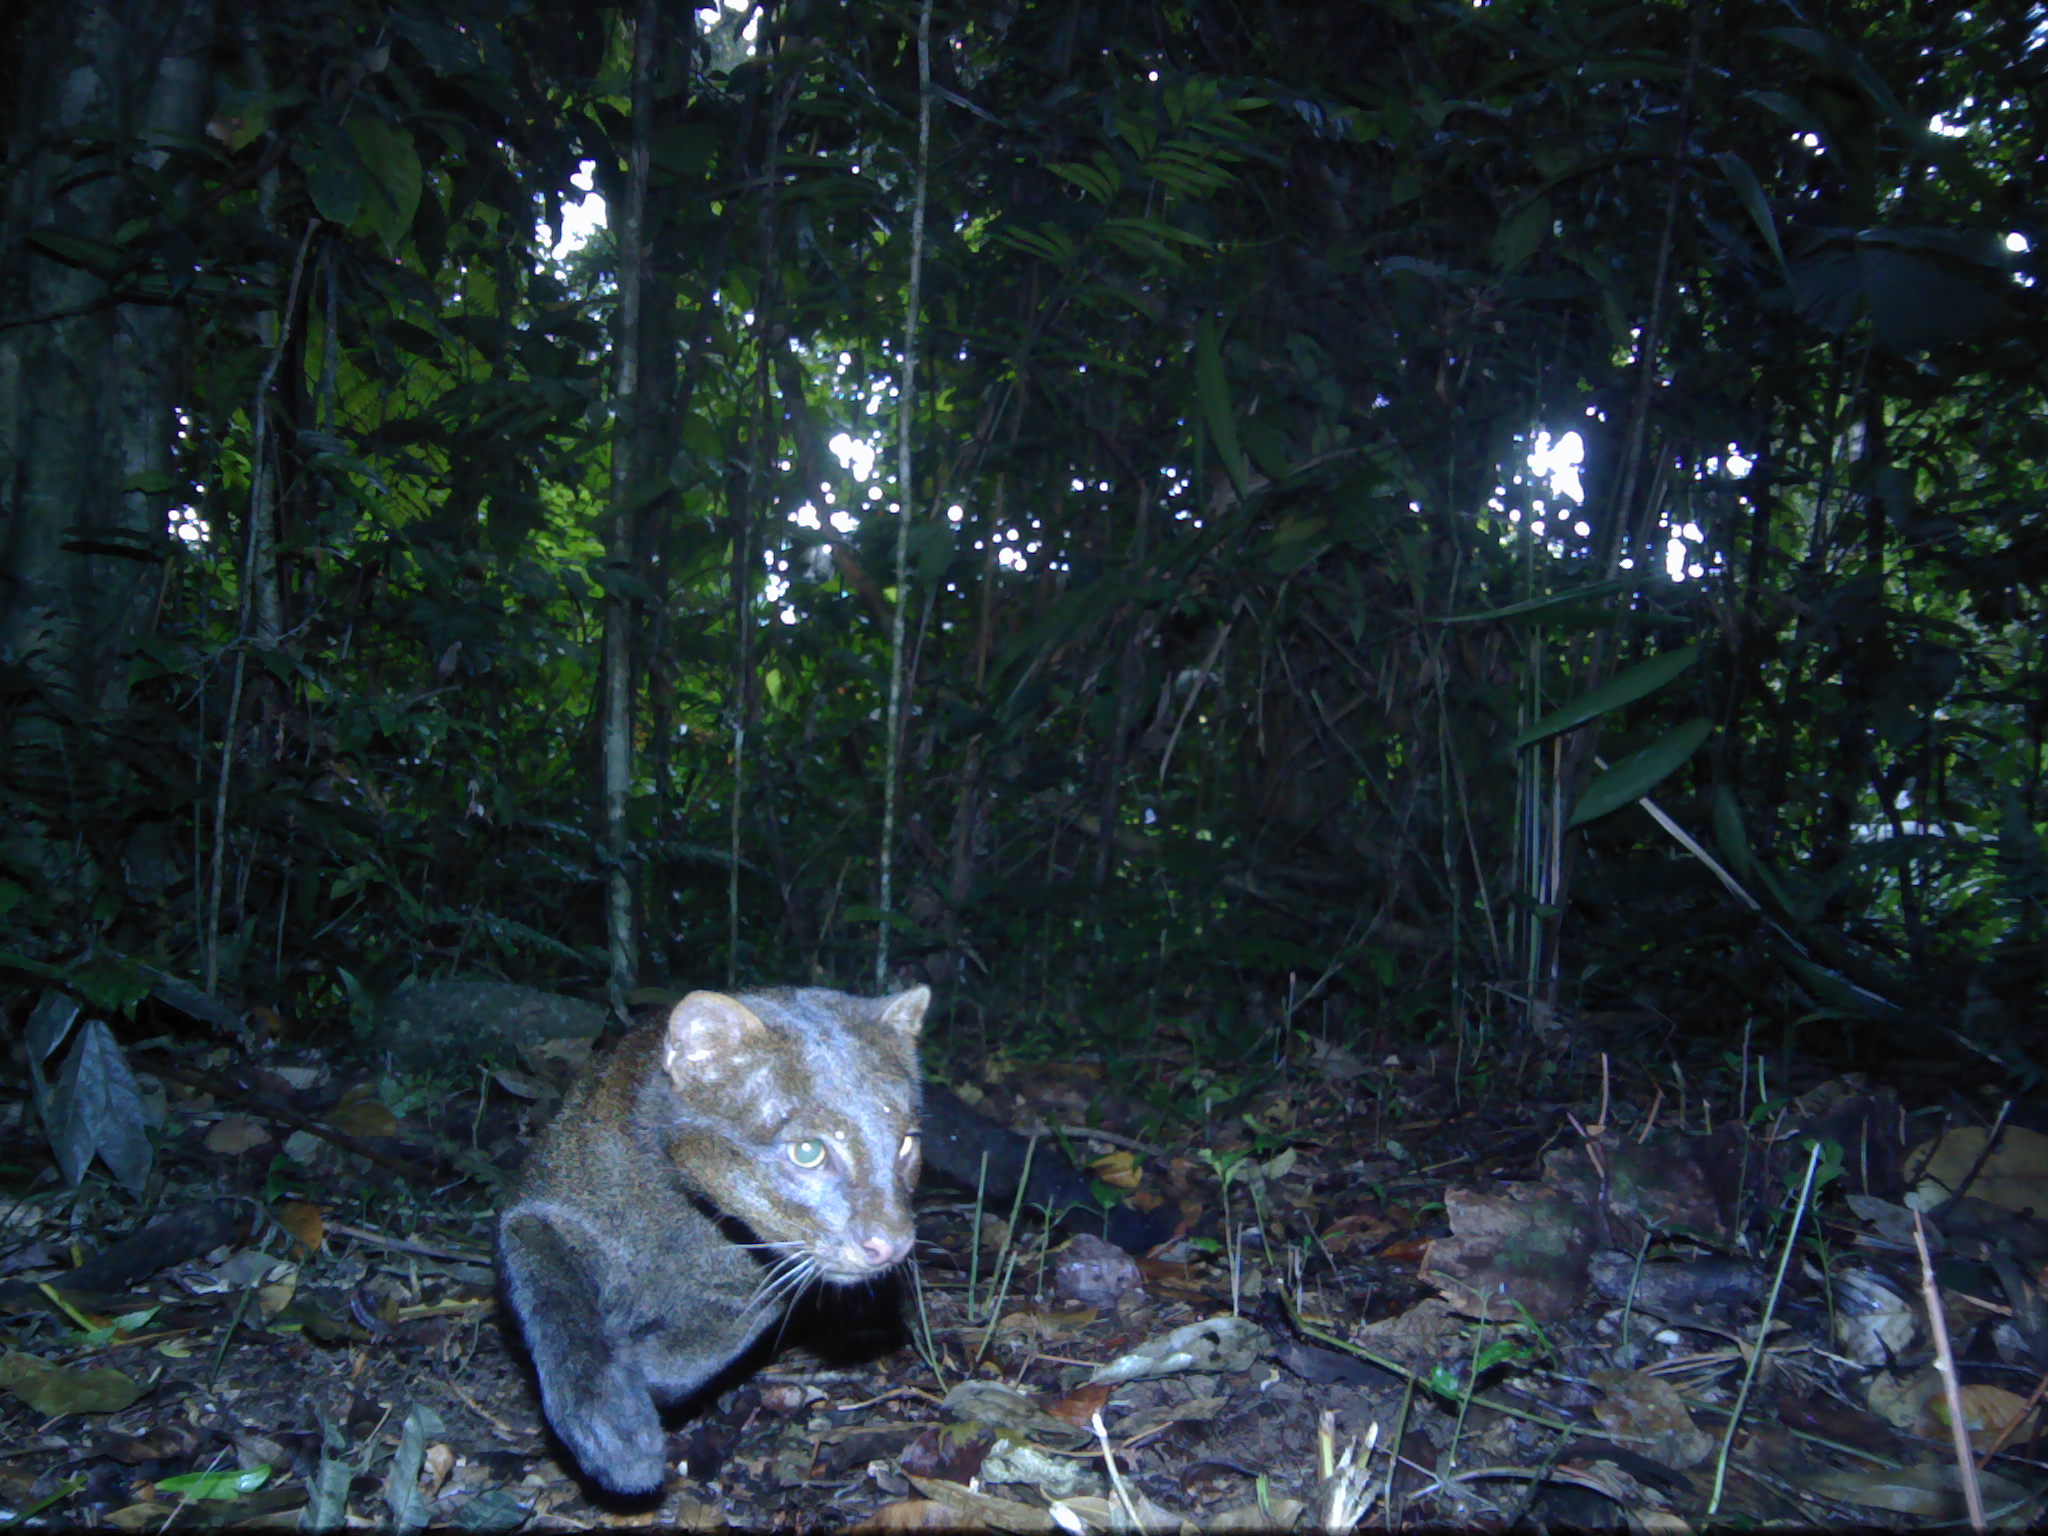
x=630 y=235
x=906 y=415
x=89 y=385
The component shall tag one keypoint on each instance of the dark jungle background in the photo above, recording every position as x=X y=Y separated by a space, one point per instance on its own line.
x=392 y=589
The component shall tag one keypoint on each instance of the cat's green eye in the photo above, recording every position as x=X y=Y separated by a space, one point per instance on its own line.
x=808 y=1153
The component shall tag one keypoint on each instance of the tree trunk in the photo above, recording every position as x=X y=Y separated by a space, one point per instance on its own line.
x=90 y=381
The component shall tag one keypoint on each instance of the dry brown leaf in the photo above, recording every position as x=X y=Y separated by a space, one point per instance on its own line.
x=160 y=1442
x=915 y=1515
x=1901 y=1401
x=1078 y=1406
x=981 y=1510
x=1280 y=1514
x=236 y=1134
x=1639 y=1406
x=1920 y=1491
x=1416 y=1338
x=1119 y=1169
x=2014 y=1176
x=1986 y=1412
x=1214 y=1344
x=274 y=1298
x=139 y=1517
x=303 y=1219
x=1659 y=1184
x=365 y=1117
x=975 y=1401
x=1524 y=1248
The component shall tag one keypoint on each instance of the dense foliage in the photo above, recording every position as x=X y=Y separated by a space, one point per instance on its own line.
x=1230 y=585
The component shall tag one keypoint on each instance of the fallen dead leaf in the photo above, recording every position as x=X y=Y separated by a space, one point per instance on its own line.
x=139 y=1517
x=1637 y=1405
x=364 y=1117
x=981 y=1511
x=2013 y=1176
x=915 y=1515
x=1986 y=1413
x=1119 y=1169
x=303 y=1219
x=1901 y=1401
x=1524 y=1248
x=1078 y=1406
x=236 y=1134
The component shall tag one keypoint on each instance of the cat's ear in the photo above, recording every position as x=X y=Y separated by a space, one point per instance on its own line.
x=711 y=1037
x=904 y=1013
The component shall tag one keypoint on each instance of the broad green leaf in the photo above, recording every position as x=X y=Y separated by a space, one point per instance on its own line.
x=402 y=1494
x=97 y=1107
x=51 y=1390
x=1639 y=773
x=334 y=173
x=1089 y=179
x=1048 y=242
x=1793 y=111
x=1213 y=392
x=392 y=177
x=221 y=1483
x=1520 y=233
x=1159 y=232
x=1623 y=688
x=1140 y=135
x=48 y=1026
x=1917 y=303
x=1539 y=604
x=1729 y=832
x=1744 y=181
x=1839 y=994
x=77 y=251
x=861 y=913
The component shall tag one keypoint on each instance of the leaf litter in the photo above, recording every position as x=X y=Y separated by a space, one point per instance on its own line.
x=1387 y=1304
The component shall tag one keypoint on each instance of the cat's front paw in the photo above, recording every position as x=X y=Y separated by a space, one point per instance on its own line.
x=610 y=1423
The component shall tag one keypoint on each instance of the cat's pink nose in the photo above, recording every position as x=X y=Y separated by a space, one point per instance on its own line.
x=881 y=1252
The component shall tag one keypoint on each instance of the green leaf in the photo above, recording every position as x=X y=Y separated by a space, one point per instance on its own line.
x=1213 y=392
x=223 y=1483
x=859 y=912
x=1089 y=179
x=1793 y=111
x=51 y=1390
x=1539 y=604
x=1520 y=233
x=96 y=1107
x=1841 y=996
x=1048 y=242
x=392 y=177
x=1744 y=181
x=95 y=256
x=1623 y=688
x=1730 y=834
x=1639 y=773
x=402 y=1494
x=334 y=173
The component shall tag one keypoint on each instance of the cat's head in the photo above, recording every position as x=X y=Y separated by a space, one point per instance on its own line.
x=797 y=1113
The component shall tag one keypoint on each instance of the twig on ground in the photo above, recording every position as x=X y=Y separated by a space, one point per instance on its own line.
x=1951 y=1384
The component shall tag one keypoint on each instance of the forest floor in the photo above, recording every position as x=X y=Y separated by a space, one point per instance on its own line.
x=1399 y=1295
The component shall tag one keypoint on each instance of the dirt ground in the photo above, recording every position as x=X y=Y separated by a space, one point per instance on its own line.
x=1392 y=1300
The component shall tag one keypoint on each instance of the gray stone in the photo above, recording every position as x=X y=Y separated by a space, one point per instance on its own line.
x=459 y=1023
